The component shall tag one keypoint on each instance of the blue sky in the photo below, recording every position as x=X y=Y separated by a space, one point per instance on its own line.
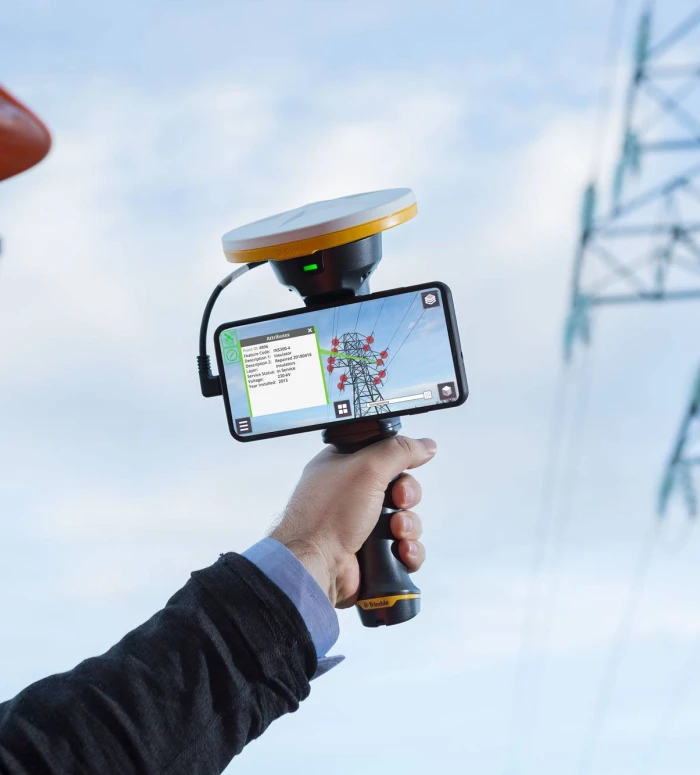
x=175 y=122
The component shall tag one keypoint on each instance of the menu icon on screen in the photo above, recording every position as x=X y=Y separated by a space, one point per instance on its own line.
x=243 y=425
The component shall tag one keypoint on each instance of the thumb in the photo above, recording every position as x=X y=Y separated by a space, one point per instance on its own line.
x=390 y=457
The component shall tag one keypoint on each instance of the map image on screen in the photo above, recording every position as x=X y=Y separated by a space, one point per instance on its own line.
x=372 y=357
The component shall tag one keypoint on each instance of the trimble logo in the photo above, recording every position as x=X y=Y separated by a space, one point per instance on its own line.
x=367 y=604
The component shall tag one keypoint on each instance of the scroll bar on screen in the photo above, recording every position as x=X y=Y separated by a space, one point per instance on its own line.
x=427 y=395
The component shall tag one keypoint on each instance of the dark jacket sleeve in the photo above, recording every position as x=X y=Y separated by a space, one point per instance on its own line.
x=181 y=694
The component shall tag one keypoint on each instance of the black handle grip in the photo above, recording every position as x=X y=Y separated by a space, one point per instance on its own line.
x=387 y=594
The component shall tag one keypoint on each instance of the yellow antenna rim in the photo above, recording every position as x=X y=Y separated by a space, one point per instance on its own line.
x=306 y=247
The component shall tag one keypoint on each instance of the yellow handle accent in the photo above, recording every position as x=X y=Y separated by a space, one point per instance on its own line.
x=384 y=602
x=305 y=247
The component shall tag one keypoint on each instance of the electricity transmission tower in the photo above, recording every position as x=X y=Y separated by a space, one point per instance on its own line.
x=364 y=370
x=685 y=458
x=646 y=248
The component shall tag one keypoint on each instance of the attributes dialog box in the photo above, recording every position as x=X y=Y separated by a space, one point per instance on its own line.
x=283 y=371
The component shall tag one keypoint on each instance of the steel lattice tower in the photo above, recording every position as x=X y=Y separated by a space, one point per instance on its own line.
x=363 y=370
x=645 y=248
x=614 y=263
x=685 y=458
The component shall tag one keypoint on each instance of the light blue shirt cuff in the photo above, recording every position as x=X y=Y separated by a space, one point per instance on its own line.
x=284 y=569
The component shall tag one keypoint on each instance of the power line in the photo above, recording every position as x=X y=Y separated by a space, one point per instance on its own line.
x=413 y=328
x=557 y=417
x=358 y=317
x=561 y=516
x=616 y=652
x=547 y=513
x=529 y=621
x=627 y=274
x=610 y=61
x=685 y=678
x=402 y=320
x=571 y=476
x=381 y=309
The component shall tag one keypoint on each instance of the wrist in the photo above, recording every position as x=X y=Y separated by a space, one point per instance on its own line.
x=315 y=562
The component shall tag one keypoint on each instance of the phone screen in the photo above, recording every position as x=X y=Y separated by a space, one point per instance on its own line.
x=388 y=354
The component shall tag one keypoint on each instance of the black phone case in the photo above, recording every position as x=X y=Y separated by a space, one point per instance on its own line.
x=452 y=331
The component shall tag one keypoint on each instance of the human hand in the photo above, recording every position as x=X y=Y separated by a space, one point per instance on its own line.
x=337 y=503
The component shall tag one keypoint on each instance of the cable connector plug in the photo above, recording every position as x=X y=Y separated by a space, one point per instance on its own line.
x=208 y=382
x=210 y=385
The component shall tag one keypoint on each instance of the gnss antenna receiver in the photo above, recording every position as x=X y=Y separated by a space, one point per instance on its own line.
x=327 y=251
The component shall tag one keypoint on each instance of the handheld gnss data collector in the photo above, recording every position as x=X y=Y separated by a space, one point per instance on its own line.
x=349 y=362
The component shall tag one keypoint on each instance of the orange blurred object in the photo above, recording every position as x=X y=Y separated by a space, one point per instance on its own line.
x=24 y=140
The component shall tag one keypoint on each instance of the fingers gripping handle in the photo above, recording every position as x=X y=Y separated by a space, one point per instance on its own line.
x=387 y=594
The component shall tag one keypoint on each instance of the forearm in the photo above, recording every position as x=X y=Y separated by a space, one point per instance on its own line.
x=183 y=693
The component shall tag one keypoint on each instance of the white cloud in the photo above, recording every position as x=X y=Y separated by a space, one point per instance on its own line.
x=111 y=249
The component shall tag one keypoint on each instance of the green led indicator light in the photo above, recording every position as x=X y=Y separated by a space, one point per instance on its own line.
x=310 y=267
